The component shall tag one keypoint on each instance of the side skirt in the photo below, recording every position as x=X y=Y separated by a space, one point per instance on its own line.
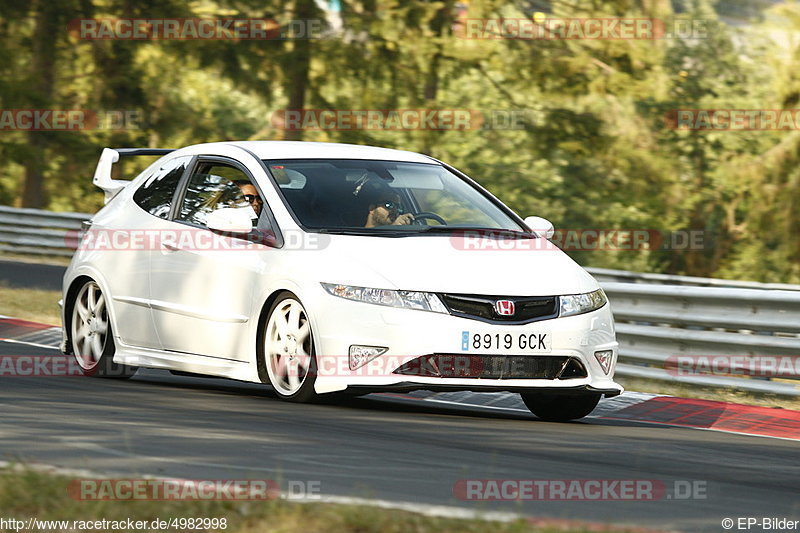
x=185 y=362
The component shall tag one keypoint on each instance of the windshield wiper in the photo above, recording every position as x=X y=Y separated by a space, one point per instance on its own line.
x=478 y=231
x=371 y=232
x=423 y=230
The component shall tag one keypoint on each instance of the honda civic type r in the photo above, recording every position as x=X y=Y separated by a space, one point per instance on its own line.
x=321 y=268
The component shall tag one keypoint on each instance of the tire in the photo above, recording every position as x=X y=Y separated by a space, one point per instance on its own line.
x=92 y=337
x=287 y=355
x=555 y=407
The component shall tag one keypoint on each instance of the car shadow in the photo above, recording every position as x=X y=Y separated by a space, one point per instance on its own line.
x=381 y=402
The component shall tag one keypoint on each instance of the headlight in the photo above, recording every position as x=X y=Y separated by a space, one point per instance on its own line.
x=576 y=304
x=424 y=301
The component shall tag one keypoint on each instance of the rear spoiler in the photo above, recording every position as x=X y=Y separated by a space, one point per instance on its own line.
x=102 y=175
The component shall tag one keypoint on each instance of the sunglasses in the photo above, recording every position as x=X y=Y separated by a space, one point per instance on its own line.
x=391 y=206
x=252 y=198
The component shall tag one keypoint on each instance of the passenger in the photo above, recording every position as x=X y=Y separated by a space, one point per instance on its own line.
x=250 y=193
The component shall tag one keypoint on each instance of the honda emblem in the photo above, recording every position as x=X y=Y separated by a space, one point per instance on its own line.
x=504 y=307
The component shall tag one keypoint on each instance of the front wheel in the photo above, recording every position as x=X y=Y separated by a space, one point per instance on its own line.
x=91 y=335
x=555 y=407
x=288 y=350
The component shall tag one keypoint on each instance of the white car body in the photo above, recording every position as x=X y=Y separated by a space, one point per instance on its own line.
x=199 y=311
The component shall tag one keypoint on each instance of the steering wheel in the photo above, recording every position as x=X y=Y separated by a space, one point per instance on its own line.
x=427 y=214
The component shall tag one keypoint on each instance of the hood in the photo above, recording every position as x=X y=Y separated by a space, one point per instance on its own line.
x=442 y=263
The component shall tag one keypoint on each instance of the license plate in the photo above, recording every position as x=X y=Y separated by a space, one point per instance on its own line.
x=506 y=342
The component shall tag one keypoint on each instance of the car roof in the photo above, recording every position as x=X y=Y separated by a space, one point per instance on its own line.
x=322 y=150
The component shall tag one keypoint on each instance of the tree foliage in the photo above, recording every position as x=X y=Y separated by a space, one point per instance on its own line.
x=592 y=145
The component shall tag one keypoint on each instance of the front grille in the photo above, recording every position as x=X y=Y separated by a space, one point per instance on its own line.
x=494 y=367
x=527 y=308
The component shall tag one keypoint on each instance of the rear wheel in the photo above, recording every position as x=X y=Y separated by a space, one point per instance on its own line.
x=555 y=407
x=288 y=350
x=91 y=335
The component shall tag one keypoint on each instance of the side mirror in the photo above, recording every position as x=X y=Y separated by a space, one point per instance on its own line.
x=230 y=220
x=541 y=226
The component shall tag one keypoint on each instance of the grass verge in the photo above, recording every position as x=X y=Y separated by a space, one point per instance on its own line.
x=27 y=493
x=30 y=304
x=708 y=393
x=41 y=259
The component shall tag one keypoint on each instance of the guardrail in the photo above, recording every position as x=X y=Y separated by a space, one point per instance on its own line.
x=659 y=317
x=664 y=330
x=34 y=231
x=607 y=274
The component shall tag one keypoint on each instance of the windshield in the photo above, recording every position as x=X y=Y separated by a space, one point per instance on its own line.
x=362 y=196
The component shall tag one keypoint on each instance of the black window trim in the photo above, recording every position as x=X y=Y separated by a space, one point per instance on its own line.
x=181 y=193
x=178 y=198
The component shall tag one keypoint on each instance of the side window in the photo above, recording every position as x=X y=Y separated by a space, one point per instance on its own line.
x=216 y=185
x=156 y=193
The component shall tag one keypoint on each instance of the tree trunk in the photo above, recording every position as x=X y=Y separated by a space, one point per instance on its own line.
x=42 y=90
x=440 y=25
x=300 y=60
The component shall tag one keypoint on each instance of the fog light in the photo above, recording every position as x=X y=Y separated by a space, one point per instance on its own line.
x=361 y=355
x=604 y=357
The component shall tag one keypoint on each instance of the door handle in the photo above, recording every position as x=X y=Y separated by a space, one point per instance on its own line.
x=169 y=246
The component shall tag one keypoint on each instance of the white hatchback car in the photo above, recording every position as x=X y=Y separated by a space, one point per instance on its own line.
x=322 y=268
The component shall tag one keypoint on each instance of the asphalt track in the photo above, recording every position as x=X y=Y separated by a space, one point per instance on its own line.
x=387 y=447
x=31 y=275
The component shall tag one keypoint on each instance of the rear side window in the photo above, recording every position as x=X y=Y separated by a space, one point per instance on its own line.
x=156 y=193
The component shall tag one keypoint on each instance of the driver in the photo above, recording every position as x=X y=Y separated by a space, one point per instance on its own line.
x=383 y=204
x=384 y=210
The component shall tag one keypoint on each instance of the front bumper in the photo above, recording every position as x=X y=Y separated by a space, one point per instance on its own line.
x=409 y=334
